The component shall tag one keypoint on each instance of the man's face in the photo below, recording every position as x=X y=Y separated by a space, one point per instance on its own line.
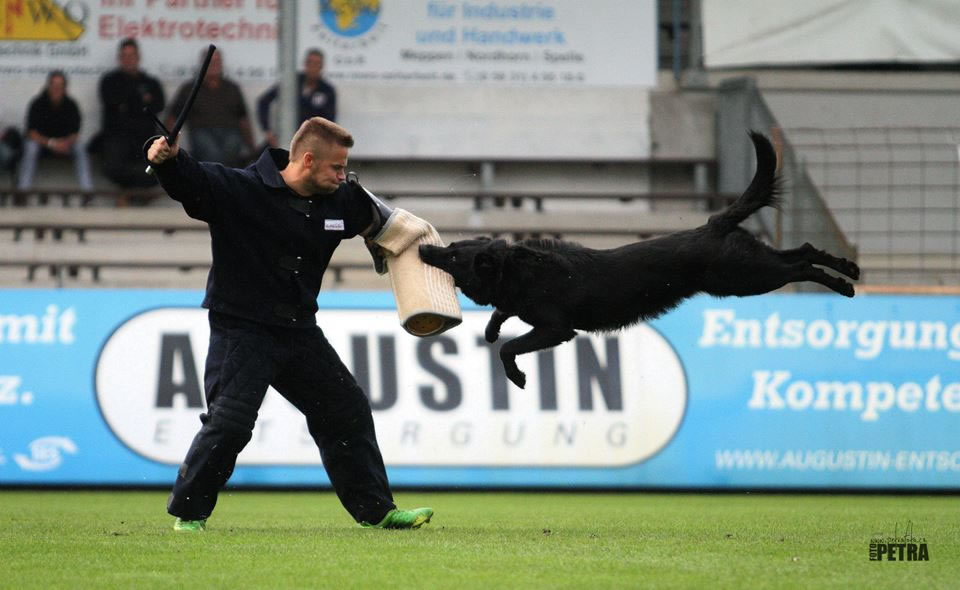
x=56 y=89
x=129 y=58
x=215 y=69
x=313 y=66
x=329 y=168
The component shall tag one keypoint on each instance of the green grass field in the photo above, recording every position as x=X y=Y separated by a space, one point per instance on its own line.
x=487 y=540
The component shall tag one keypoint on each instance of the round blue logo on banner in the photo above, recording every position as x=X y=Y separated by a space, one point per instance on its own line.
x=349 y=18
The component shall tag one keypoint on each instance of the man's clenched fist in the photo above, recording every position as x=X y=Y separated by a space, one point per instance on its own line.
x=160 y=151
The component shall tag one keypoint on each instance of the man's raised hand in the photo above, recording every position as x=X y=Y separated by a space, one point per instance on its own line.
x=160 y=151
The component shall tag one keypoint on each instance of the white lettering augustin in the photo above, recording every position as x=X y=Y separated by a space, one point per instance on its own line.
x=440 y=401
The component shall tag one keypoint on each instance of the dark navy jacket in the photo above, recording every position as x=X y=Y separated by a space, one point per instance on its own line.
x=270 y=245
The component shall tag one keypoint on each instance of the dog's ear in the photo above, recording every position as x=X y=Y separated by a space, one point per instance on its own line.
x=488 y=264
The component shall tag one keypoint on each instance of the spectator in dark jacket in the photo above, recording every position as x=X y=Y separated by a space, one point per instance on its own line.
x=53 y=127
x=218 y=126
x=11 y=147
x=124 y=92
x=317 y=97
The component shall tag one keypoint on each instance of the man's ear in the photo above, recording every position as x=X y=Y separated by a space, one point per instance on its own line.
x=307 y=159
x=488 y=265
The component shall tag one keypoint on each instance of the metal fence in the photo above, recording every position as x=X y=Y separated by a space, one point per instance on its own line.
x=805 y=216
x=894 y=192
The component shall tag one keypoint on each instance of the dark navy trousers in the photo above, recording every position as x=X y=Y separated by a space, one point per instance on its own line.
x=246 y=357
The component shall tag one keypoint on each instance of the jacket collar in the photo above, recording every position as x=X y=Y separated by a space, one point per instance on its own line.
x=269 y=165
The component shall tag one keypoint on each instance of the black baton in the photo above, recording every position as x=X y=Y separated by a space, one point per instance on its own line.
x=182 y=117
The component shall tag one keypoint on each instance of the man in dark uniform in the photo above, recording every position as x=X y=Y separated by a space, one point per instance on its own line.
x=274 y=226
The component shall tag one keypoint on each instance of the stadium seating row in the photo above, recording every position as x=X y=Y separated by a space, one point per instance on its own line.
x=90 y=244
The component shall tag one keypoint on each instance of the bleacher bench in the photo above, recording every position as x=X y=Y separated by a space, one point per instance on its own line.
x=171 y=219
x=156 y=229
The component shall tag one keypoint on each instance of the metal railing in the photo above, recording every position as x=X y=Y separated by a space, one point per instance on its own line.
x=805 y=215
x=894 y=191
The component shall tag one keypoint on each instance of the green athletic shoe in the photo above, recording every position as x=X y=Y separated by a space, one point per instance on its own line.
x=403 y=519
x=190 y=526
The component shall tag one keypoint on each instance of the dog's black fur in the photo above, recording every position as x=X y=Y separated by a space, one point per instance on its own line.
x=559 y=287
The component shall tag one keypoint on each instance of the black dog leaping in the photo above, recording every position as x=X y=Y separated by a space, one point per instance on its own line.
x=559 y=287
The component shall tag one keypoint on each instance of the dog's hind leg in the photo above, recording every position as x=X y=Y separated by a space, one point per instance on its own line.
x=535 y=339
x=493 y=325
x=772 y=277
x=807 y=253
x=807 y=272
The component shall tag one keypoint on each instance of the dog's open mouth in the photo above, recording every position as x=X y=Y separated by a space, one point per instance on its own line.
x=431 y=254
x=439 y=257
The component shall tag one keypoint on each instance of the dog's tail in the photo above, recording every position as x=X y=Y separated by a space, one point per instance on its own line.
x=764 y=189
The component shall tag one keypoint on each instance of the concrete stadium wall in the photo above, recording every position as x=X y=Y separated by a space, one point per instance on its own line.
x=861 y=99
x=445 y=123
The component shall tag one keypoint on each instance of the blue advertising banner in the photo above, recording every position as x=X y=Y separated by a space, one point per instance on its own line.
x=104 y=387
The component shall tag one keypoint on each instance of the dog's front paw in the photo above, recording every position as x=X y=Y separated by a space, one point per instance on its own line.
x=517 y=377
x=491 y=334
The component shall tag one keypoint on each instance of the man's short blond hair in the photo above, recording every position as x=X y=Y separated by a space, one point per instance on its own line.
x=316 y=134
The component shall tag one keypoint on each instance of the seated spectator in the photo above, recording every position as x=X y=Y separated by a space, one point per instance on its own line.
x=317 y=97
x=218 y=126
x=53 y=127
x=124 y=93
x=11 y=148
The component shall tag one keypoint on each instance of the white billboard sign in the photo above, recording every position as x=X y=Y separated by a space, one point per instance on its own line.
x=549 y=42
x=81 y=36
x=610 y=400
